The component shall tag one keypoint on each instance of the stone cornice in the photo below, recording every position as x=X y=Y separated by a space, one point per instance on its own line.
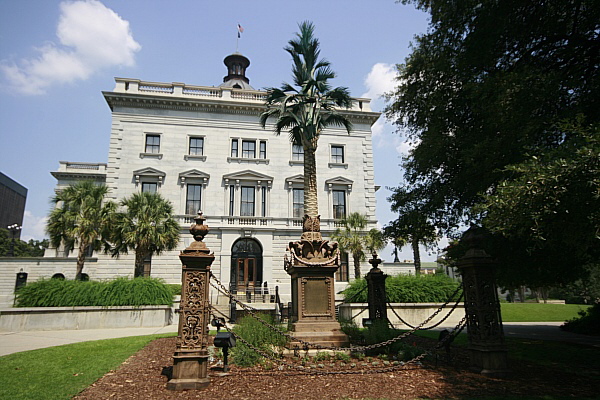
x=210 y=105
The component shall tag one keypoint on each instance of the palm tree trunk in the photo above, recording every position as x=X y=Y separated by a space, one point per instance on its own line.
x=356 y=259
x=80 y=260
x=311 y=201
x=417 y=256
x=140 y=255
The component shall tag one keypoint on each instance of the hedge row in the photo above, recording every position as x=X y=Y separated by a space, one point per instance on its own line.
x=117 y=292
x=407 y=289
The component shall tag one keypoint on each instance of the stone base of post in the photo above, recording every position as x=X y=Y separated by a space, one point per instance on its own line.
x=489 y=361
x=191 y=371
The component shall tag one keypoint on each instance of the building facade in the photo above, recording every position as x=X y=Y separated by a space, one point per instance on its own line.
x=12 y=203
x=203 y=149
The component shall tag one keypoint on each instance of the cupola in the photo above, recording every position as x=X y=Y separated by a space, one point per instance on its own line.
x=236 y=72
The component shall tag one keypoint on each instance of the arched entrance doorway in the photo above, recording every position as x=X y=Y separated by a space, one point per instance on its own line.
x=246 y=267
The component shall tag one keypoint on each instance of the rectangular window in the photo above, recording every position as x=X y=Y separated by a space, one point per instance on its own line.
x=196 y=146
x=337 y=154
x=153 y=144
x=339 y=204
x=231 y=200
x=247 y=203
x=263 y=150
x=234 y=148
x=263 y=207
x=192 y=203
x=298 y=203
x=297 y=152
x=248 y=149
x=149 y=187
x=342 y=275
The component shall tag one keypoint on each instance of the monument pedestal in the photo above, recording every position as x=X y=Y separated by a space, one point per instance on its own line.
x=313 y=312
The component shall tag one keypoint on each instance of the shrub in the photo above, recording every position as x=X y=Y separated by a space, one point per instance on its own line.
x=407 y=289
x=588 y=322
x=379 y=332
x=259 y=336
x=117 y=292
x=322 y=356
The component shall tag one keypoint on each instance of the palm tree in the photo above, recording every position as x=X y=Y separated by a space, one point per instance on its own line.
x=352 y=239
x=412 y=225
x=146 y=226
x=80 y=218
x=305 y=110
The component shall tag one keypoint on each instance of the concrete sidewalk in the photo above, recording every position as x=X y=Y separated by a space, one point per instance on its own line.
x=13 y=342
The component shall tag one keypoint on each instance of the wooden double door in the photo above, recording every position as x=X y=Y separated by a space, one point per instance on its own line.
x=246 y=266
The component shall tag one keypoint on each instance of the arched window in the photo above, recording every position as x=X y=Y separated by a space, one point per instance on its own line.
x=58 y=276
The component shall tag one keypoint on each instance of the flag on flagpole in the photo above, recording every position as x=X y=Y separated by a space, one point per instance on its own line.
x=240 y=30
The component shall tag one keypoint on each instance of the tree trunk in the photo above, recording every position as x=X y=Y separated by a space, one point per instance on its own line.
x=311 y=201
x=417 y=256
x=140 y=255
x=356 y=259
x=80 y=260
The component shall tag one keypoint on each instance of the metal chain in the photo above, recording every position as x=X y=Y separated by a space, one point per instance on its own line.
x=318 y=346
x=434 y=325
x=303 y=370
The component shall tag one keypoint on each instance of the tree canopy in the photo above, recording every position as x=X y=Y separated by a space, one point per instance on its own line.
x=80 y=218
x=353 y=239
x=500 y=99
x=146 y=226
x=31 y=248
x=305 y=110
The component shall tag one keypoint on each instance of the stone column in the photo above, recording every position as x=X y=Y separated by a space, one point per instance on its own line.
x=190 y=361
x=488 y=352
x=311 y=263
x=376 y=295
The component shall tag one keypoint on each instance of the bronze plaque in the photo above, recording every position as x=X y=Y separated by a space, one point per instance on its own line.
x=316 y=297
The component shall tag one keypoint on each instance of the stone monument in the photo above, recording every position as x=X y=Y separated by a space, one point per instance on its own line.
x=311 y=262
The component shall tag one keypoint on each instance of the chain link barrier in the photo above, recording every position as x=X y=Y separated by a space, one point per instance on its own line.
x=308 y=371
x=305 y=344
x=434 y=325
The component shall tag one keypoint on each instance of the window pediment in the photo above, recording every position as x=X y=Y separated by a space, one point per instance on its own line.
x=149 y=172
x=296 y=179
x=195 y=175
x=247 y=175
x=339 y=181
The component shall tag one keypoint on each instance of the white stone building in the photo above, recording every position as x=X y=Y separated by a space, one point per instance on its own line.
x=203 y=148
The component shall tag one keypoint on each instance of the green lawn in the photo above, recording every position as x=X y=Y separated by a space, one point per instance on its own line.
x=63 y=371
x=539 y=312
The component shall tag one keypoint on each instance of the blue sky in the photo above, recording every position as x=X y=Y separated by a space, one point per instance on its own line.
x=56 y=57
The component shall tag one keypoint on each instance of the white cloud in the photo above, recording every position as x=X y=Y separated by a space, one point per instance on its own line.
x=33 y=227
x=91 y=36
x=380 y=80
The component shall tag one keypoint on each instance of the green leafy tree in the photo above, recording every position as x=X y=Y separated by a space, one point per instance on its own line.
x=353 y=239
x=412 y=225
x=147 y=227
x=305 y=110
x=80 y=218
x=489 y=96
x=32 y=248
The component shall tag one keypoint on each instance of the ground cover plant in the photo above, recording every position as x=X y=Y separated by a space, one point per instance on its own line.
x=259 y=336
x=436 y=288
x=63 y=371
x=539 y=312
x=71 y=293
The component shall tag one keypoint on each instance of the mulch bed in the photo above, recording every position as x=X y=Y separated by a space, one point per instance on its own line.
x=141 y=377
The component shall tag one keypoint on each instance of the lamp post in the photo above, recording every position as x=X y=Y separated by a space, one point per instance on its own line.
x=14 y=228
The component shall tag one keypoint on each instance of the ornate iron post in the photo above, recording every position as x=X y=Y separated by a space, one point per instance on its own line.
x=488 y=352
x=190 y=361
x=376 y=296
